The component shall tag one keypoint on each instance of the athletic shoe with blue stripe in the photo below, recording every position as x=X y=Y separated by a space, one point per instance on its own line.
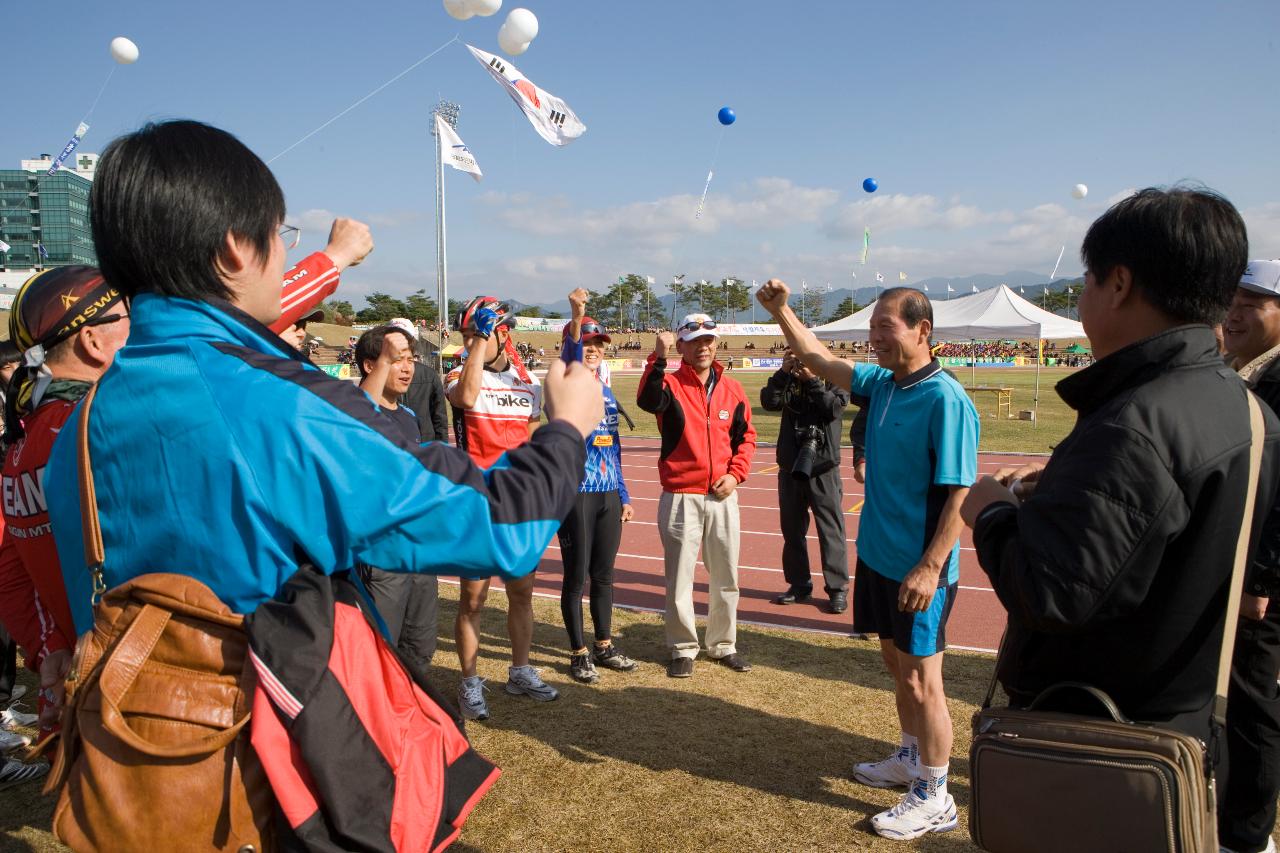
x=916 y=815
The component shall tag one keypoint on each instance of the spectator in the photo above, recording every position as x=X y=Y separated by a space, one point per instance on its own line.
x=408 y=602
x=811 y=411
x=1247 y=809
x=425 y=396
x=243 y=459
x=922 y=445
x=1114 y=569
x=295 y=335
x=69 y=324
x=496 y=406
x=591 y=533
x=700 y=472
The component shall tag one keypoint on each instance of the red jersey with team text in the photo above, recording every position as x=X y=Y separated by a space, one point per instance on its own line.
x=499 y=421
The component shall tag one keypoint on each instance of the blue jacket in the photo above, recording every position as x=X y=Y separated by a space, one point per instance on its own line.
x=220 y=453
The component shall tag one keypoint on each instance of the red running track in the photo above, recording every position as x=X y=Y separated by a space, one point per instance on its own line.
x=977 y=619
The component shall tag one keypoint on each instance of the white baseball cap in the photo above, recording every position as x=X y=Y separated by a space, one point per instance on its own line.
x=1262 y=277
x=405 y=326
x=696 y=326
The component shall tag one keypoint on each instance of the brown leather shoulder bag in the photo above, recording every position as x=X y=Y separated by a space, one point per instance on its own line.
x=154 y=752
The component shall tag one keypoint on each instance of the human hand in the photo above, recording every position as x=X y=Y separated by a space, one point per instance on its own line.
x=860 y=471
x=915 y=593
x=627 y=513
x=573 y=395
x=1021 y=479
x=724 y=487
x=485 y=320
x=349 y=242
x=985 y=492
x=789 y=362
x=773 y=295
x=53 y=686
x=578 y=303
x=664 y=344
x=1253 y=607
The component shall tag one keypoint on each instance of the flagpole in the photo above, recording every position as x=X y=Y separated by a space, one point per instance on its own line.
x=448 y=112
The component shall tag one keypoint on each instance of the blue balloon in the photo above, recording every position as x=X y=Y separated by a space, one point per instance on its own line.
x=870 y=185
x=727 y=115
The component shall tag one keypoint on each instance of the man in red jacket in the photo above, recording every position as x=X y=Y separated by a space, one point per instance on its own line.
x=707 y=445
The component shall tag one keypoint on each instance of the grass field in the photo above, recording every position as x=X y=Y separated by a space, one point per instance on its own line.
x=748 y=762
x=998 y=434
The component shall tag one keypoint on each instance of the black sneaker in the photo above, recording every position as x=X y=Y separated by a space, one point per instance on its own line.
x=610 y=658
x=582 y=669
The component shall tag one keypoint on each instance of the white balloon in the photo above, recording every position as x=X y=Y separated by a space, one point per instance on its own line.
x=511 y=45
x=460 y=9
x=124 y=51
x=485 y=8
x=522 y=24
x=1079 y=191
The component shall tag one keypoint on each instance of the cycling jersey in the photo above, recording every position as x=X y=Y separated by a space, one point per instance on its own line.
x=499 y=420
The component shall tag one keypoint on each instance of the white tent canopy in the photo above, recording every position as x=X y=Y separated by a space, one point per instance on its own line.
x=989 y=315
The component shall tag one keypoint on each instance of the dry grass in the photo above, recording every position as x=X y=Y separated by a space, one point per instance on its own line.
x=719 y=762
x=755 y=761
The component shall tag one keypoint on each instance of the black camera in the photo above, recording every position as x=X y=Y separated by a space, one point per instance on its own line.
x=809 y=441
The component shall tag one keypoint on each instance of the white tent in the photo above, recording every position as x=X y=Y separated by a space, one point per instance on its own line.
x=994 y=314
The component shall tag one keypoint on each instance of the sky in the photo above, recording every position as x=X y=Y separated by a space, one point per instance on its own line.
x=976 y=119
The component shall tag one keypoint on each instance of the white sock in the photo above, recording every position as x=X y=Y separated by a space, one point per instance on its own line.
x=910 y=750
x=932 y=782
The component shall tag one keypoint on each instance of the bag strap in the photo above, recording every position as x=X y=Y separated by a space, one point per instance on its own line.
x=1257 y=428
x=1257 y=433
x=91 y=529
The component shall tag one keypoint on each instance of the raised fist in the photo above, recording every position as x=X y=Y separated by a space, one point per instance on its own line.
x=664 y=344
x=485 y=320
x=578 y=302
x=773 y=295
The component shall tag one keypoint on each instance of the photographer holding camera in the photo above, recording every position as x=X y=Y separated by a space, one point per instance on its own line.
x=809 y=479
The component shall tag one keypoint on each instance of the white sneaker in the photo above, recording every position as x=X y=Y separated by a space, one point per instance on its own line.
x=12 y=741
x=471 y=698
x=893 y=772
x=524 y=680
x=915 y=816
x=11 y=719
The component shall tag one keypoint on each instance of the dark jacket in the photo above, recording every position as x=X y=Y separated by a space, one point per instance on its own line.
x=426 y=397
x=805 y=404
x=1115 y=571
x=1264 y=568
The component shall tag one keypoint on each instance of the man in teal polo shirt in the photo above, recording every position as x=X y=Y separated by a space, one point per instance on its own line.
x=922 y=456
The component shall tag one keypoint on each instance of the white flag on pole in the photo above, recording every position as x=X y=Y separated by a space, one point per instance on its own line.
x=879 y=277
x=549 y=115
x=4 y=247
x=950 y=289
x=926 y=288
x=453 y=152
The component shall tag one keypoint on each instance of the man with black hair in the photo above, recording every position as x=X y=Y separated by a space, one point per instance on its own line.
x=1113 y=559
x=922 y=448
x=1247 y=798
x=811 y=410
x=408 y=602
x=212 y=417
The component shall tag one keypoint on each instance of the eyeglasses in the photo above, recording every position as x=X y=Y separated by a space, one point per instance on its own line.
x=694 y=325
x=290 y=234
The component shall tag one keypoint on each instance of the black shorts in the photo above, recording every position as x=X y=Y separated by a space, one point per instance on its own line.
x=875 y=611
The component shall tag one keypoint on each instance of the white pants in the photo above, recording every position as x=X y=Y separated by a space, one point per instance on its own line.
x=688 y=523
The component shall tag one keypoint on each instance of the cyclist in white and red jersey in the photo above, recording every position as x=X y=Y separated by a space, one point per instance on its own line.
x=496 y=406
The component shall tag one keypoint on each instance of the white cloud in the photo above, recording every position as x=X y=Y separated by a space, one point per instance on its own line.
x=314 y=221
x=1263 y=222
x=899 y=212
x=544 y=267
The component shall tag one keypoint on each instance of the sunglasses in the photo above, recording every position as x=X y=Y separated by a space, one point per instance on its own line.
x=695 y=325
x=102 y=321
x=593 y=329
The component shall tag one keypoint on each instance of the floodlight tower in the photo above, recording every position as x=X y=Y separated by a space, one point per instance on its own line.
x=448 y=113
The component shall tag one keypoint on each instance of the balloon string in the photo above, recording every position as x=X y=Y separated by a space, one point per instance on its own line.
x=365 y=98
x=94 y=106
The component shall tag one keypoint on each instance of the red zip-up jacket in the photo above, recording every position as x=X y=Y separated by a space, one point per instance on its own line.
x=702 y=439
